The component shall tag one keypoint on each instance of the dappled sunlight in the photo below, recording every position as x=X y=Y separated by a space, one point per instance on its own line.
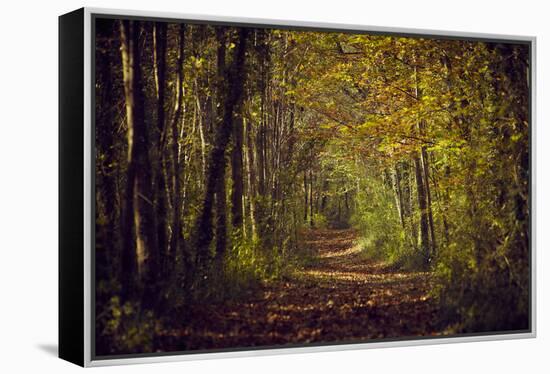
x=345 y=252
x=340 y=295
x=356 y=276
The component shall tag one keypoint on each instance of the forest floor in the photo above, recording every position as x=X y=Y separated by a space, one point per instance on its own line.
x=338 y=295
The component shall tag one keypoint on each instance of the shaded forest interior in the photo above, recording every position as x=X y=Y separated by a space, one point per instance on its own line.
x=257 y=187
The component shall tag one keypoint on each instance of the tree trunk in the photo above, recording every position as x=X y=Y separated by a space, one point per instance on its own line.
x=129 y=260
x=251 y=177
x=262 y=50
x=396 y=183
x=311 y=223
x=422 y=165
x=346 y=200
x=220 y=192
x=324 y=198
x=139 y=194
x=426 y=177
x=423 y=207
x=443 y=203
x=176 y=242
x=159 y=53
x=237 y=169
x=411 y=175
x=217 y=161
x=306 y=192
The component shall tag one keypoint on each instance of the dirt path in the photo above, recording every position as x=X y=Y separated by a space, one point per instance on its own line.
x=340 y=296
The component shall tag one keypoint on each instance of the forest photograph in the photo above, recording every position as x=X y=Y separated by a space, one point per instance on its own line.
x=264 y=187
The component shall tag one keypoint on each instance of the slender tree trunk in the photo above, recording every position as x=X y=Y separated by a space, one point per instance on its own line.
x=139 y=199
x=311 y=223
x=159 y=54
x=422 y=165
x=176 y=242
x=251 y=177
x=220 y=192
x=411 y=175
x=426 y=176
x=237 y=169
x=129 y=260
x=306 y=193
x=324 y=198
x=202 y=107
x=443 y=205
x=423 y=207
x=396 y=183
x=318 y=189
x=262 y=50
x=202 y=96
x=346 y=201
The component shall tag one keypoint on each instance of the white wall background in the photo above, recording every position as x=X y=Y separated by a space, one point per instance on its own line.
x=28 y=182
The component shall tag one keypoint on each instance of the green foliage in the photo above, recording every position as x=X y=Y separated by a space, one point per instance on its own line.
x=245 y=267
x=479 y=277
x=126 y=327
x=320 y=221
x=382 y=236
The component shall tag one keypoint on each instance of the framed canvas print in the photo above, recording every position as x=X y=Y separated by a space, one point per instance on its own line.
x=237 y=186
